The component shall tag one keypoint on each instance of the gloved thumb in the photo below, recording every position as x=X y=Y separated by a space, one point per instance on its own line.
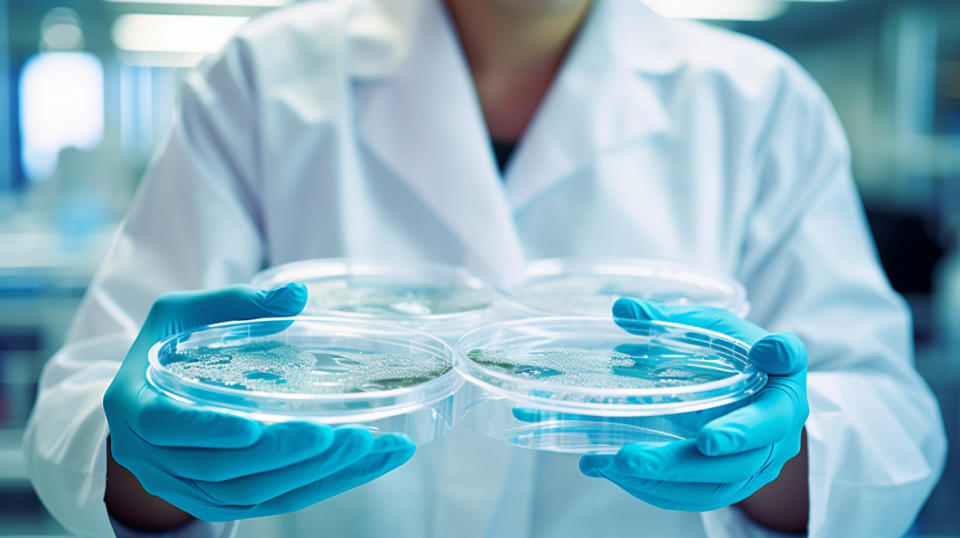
x=779 y=354
x=634 y=314
x=181 y=311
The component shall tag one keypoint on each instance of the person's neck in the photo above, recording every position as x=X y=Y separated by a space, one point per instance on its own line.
x=513 y=54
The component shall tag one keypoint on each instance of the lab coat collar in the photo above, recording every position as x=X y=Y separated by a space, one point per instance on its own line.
x=636 y=37
x=604 y=98
x=421 y=116
x=424 y=122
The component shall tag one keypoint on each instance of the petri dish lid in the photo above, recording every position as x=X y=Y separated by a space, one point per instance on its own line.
x=593 y=366
x=589 y=287
x=325 y=369
x=439 y=299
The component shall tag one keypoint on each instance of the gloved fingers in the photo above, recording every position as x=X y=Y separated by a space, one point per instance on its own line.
x=389 y=451
x=367 y=469
x=280 y=445
x=708 y=496
x=185 y=495
x=176 y=491
x=349 y=446
x=162 y=421
x=710 y=318
x=177 y=312
x=767 y=420
x=779 y=354
x=679 y=461
x=684 y=496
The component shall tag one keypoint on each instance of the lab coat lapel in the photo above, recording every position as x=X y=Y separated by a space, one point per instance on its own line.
x=425 y=124
x=604 y=98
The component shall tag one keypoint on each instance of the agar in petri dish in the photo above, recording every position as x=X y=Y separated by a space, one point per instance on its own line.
x=379 y=296
x=442 y=300
x=329 y=370
x=590 y=287
x=578 y=367
x=589 y=386
x=278 y=367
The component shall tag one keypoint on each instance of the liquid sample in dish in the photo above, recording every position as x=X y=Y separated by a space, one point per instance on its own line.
x=281 y=368
x=373 y=296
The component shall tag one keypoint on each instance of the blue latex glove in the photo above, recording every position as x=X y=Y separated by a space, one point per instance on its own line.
x=223 y=467
x=734 y=455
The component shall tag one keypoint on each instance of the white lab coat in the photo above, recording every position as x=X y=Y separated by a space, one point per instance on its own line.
x=351 y=129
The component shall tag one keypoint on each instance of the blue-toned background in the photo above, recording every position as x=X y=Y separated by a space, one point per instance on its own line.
x=87 y=88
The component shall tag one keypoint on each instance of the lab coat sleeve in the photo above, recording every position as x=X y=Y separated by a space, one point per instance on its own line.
x=875 y=437
x=192 y=225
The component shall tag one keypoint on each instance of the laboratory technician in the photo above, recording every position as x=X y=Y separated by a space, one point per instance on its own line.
x=484 y=133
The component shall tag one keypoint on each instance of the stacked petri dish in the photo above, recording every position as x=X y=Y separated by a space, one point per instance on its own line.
x=390 y=379
x=441 y=300
x=589 y=287
x=591 y=385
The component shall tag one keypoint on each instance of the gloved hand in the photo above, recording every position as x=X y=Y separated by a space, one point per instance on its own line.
x=734 y=455
x=223 y=467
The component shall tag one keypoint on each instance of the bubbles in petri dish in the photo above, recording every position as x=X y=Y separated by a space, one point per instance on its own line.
x=282 y=368
x=379 y=296
x=599 y=368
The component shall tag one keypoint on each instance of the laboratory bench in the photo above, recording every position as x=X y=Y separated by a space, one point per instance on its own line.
x=43 y=276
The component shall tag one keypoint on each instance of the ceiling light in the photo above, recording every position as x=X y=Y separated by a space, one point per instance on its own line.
x=173 y=33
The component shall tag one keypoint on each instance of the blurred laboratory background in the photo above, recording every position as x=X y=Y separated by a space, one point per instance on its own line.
x=88 y=87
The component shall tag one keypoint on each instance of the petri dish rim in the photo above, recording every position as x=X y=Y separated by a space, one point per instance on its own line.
x=613 y=266
x=439 y=384
x=753 y=378
x=323 y=268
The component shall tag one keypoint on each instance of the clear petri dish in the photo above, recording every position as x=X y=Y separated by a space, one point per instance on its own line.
x=588 y=386
x=332 y=371
x=442 y=300
x=589 y=287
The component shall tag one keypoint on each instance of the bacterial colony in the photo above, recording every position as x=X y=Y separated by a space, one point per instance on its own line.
x=604 y=369
x=281 y=368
